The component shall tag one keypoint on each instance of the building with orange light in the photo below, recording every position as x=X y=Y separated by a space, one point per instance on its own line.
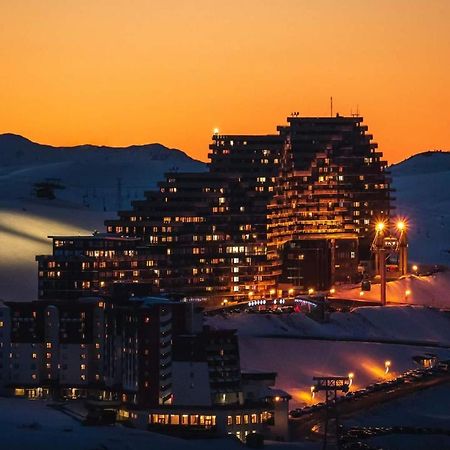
x=274 y=213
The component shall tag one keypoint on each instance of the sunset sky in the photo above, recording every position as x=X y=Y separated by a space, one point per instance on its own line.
x=139 y=71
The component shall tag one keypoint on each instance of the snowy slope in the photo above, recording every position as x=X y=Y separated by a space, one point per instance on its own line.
x=432 y=290
x=423 y=196
x=98 y=181
x=99 y=178
x=298 y=348
x=401 y=324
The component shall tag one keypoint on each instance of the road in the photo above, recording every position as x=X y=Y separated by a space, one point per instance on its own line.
x=301 y=427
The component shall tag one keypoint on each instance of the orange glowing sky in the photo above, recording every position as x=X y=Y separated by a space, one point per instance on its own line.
x=137 y=71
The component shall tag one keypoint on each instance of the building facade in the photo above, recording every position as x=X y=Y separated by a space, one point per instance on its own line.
x=274 y=213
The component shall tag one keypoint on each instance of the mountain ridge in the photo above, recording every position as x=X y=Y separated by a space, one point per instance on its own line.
x=17 y=142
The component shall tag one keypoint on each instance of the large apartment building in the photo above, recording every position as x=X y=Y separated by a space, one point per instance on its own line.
x=147 y=358
x=273 y=214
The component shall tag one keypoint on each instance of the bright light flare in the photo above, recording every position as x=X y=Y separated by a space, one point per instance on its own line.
x=415 y=268
x=380 y=226
x=401 y=225
x=351 y=375
x=387 y=366
x=310 y=291
x=407 y=292
x=216 y=131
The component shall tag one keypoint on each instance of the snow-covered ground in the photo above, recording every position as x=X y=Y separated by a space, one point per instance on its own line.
x=427 y=408
x=405 y=324
x=432 y=290
x=297 y=361
x=298 y=348
x=422 y=195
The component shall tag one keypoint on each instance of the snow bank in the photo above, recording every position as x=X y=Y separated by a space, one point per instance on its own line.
x=297 y=361
x=432 y=290
x=392 y=323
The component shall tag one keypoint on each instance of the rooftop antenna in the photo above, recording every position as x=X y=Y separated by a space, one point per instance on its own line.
x=331 y=106
x=355 y=114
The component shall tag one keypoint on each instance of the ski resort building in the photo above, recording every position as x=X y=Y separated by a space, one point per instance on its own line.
x=277 y=213
x=148 y=360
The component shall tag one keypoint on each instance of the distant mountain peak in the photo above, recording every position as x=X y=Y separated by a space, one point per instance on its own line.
x=14 y=146
x=429 y=161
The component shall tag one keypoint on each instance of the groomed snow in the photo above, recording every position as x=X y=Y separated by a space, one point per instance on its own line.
x=432 y=290
x=298 y=348
x=392 y=323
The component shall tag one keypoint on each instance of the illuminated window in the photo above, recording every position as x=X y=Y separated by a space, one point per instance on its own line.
x=230 y=420
x=245 y=418
x=194 y=419
x=184 y=419
x=174 y=419
x=237 y=420
x=254 y=418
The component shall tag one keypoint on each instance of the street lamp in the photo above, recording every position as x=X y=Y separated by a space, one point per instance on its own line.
x=291 y=292
x=380 y=226
x=387 y=366
x=310 y=291
x=332 y=291
x=407 y=294
x=415 y=268
x=380 y=257
x=402 y=227
x=351 y=375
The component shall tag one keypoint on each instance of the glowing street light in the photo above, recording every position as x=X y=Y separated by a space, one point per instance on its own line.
x=379 y=227
x=361 y=293
x=401 y=226
x=407 y=293
x=351 y=375
x=310 y=291
x=313 y=391
x=216 y=131
x=415 y=268
x=332 y=291
x=291 y=292
x=387 y=366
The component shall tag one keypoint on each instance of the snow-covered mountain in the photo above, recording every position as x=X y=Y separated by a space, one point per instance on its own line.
x=98 y=178
x=422 y=184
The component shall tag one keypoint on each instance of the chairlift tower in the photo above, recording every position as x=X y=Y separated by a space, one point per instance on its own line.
x=331 y=386
x=386 y=244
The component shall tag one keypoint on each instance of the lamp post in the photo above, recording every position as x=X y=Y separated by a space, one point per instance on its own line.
x=402 y=247
x=387 y=366
x=380 y=258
